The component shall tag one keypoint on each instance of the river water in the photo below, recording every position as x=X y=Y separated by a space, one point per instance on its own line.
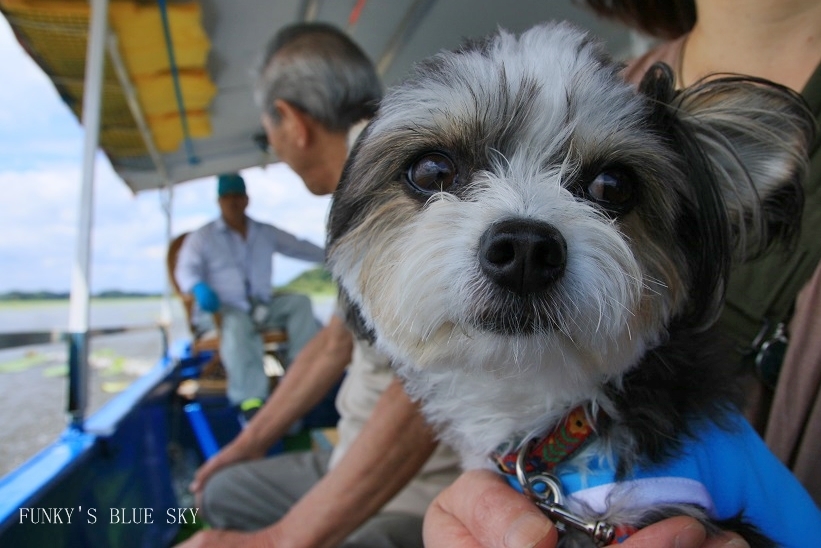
x=33 y=380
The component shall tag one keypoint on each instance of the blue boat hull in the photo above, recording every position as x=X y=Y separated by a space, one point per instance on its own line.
x=113 y=483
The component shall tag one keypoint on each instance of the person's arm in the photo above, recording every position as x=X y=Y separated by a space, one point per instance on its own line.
x=392 y=447
x=190 y=268
x=480 y=510
x=190 y=272
x=389 y=451
x=314 y=371
x=290 y=245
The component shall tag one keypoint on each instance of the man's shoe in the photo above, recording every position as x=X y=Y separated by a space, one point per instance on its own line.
x=247 y=409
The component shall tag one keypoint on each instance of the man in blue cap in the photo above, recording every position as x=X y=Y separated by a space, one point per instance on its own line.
x=227 y=266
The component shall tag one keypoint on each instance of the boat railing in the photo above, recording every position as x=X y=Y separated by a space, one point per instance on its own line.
x=29 y=338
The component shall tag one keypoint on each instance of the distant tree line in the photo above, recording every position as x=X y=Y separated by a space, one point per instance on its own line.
x=63 y=295
x=316 y=281
x=312 y=282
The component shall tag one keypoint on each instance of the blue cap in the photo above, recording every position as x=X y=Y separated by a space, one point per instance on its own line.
x=230 y=183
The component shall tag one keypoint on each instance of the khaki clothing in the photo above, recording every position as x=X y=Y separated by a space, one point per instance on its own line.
x=255 y=494
x=368 y=376
x=793 y=430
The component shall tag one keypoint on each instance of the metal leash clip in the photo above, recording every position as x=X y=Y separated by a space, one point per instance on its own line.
x=545 y=491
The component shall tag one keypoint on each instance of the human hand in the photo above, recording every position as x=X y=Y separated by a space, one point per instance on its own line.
x=481 y=511
x=235 y=452
x=205 y=297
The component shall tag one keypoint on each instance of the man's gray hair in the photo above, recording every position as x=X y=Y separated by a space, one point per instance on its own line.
x=318 y=69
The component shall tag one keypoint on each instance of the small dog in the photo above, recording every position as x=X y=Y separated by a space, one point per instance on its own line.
x=540 y=247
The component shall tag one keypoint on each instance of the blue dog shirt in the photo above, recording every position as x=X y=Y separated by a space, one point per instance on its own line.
x=728 y=472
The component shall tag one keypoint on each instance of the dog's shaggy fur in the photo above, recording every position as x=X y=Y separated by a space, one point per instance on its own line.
x=525 y=233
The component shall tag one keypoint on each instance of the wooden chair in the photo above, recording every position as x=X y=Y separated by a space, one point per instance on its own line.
x=272 y=340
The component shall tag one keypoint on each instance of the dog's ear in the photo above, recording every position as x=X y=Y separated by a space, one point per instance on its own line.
x=659 y=86
x=754 y=136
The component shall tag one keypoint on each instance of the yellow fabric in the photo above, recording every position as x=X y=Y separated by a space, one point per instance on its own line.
x=167 y=129
x=54 y=32
x=157 y=92
x=142 y=41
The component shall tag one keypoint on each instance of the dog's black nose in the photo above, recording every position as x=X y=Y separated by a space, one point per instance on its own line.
x=522 y=255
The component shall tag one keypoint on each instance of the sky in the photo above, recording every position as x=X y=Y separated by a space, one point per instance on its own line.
x=41 y=146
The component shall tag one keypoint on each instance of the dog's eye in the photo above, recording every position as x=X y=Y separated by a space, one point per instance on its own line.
x=612 y=190
x=432 y=172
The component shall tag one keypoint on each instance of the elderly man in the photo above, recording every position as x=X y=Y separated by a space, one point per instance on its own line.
x=227 y=266
x=316 y=90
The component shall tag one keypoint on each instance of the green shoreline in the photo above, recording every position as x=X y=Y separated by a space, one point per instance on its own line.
x=20 y=303
x=315 y=283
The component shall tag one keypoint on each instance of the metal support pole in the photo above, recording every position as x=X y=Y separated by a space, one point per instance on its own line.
x=410 y=22
x=80 y=276
x=166 y=317
x=133 y=101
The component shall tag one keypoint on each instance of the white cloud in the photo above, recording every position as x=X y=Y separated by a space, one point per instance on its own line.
x=278 y=196
x=40 y=174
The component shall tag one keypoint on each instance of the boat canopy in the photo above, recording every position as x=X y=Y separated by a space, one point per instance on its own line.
x=177 y=97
